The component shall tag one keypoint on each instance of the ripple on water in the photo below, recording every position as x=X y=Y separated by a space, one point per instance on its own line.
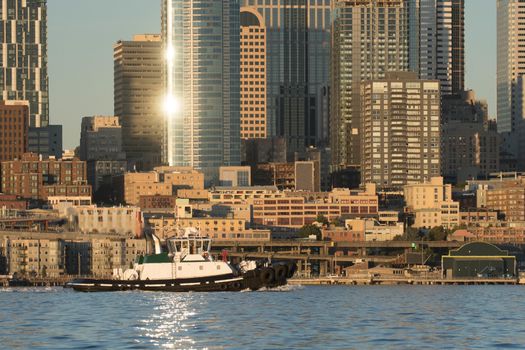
x=291 y=317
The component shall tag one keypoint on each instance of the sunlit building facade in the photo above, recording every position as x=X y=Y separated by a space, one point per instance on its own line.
x=400 y=130
x=253 y=75
x=23 y=73
x=298 y=69
x=202 y=48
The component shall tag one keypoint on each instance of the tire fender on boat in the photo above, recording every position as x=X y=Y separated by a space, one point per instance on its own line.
x=281 y=272
x=267 y=275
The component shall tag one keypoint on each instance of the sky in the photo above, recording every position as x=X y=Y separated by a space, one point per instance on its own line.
x=81 y=35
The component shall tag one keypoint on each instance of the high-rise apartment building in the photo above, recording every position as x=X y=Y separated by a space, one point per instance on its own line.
x=437 y=42
x=139 y=98
x=23 y=73
x=253 y=75
x=511 y=63
x=202 y=50
x=380 y=46
x=400 y=130
x=298 y=73
x=14 y=121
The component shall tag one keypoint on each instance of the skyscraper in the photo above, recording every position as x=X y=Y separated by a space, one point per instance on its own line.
x=400 y=130
x=511 y=64
x=437 y=42
x=23 y=74
x=298 y=73
x=202 y=48
x=253 y=75
x=139 y=98
x=369 y=38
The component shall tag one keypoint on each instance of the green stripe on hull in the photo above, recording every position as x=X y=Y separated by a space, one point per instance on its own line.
x=157 y=258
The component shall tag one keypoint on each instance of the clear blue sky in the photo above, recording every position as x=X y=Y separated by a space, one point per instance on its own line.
x=81 y=35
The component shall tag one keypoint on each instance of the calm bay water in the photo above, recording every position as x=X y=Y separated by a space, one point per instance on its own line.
x=357 y=317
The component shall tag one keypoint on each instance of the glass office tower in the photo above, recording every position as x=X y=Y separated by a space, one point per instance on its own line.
x=202 y=47
x=23 y=75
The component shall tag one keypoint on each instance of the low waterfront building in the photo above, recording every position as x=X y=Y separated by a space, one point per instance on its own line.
x=478 y=259
x=35 y=257
x=81 y=256
x=123 y=221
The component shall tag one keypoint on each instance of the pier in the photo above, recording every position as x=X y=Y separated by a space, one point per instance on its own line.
x=401 y=281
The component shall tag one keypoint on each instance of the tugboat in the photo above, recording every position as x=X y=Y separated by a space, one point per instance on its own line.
x=189 y=266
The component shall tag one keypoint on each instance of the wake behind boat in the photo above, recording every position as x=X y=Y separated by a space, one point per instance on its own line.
x=189 y=266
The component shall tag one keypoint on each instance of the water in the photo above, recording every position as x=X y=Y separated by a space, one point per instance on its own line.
x=338 y=317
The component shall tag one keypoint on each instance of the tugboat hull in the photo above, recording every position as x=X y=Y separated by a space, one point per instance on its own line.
x=268 y=277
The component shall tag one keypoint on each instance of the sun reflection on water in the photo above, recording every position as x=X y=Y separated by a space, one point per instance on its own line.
x=170 y=322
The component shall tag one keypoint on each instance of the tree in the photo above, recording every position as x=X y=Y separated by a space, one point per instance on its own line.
x=438 y=233
x=322 y=220
x=307 y=230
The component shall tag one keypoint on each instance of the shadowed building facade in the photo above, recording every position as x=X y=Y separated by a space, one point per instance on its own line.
x=138 y=90
x=14 y=121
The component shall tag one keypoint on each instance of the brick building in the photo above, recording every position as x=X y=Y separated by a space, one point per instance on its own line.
x=14 y=123
x=509 y=200
x=34 y=178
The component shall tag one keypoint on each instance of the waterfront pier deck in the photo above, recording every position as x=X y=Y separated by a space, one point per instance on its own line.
x=402 y=281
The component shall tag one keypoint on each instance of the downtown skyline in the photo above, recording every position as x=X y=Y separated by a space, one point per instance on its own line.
x=96 y=32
